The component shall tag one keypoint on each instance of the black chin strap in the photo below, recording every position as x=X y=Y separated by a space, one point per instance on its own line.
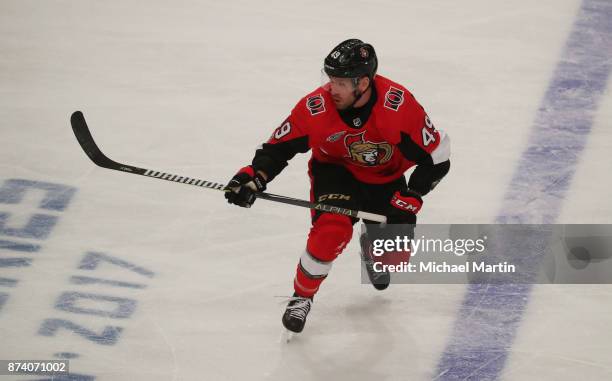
x=358 y=94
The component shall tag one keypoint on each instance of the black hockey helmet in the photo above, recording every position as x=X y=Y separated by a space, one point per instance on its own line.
x=352 y=58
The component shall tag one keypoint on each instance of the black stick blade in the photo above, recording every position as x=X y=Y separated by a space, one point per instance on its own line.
x=81 y=131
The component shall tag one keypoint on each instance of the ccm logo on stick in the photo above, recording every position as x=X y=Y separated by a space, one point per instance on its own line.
x=334 y=196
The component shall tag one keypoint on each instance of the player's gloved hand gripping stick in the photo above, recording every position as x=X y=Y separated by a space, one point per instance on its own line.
x=244 y=187
x=81 y=131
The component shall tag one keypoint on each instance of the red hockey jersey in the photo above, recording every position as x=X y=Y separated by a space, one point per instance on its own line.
x=396 y=135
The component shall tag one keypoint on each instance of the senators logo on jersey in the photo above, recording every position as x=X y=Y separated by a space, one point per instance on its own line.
x=367 y=153
x=394 y=98
x=315 y=104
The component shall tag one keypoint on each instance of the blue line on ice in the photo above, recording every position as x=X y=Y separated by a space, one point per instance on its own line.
x=490 y=314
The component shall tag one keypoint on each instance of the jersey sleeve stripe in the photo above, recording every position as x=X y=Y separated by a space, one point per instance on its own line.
x=442 y=152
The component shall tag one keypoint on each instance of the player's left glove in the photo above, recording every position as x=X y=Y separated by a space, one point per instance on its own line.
x=401 y=217
x=405 y=206
x=242 y=187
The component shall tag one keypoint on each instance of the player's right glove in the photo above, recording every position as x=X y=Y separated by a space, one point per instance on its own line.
x=242 y=187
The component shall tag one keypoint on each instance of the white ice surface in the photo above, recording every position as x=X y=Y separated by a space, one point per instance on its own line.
x=191 y=87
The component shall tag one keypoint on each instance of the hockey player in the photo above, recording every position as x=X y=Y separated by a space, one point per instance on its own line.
x=364 y=132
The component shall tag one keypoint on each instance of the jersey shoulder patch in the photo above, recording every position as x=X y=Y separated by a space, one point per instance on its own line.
x=394 y=98
x=315 y=103
x=399 y=110
x=394 y=95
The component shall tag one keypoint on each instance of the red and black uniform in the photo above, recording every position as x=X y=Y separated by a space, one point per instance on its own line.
x=358 y=161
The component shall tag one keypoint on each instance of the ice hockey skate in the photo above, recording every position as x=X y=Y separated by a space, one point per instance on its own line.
x=295 y=315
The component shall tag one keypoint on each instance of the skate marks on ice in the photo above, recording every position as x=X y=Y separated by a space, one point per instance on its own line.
x=286 y=336
x=341 y=342
x=488 y=321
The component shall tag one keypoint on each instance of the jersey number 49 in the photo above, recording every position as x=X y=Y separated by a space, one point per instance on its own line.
x=428 y=132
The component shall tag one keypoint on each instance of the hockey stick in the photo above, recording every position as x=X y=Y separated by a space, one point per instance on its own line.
x=81 y=131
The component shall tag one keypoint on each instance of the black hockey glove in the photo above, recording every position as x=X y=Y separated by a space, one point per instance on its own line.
x=401 y=217
x=242 y=187
x=404 y=207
